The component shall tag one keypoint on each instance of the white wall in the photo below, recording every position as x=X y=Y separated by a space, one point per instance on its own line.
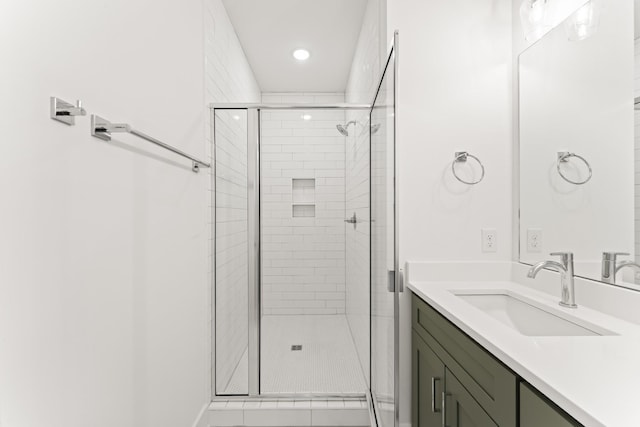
x=454 y=94
x=104 y=298
x=228 y=78
x=565 y=105
x=303 y=258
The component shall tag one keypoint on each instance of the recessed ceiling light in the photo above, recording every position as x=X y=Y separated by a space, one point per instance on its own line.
x=301 y=54
x=236 y=117
x=306 y=117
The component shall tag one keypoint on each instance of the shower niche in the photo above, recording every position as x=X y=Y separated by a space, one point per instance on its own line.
x=303 y=197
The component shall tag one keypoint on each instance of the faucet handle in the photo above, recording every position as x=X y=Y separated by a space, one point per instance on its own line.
x=566 y=257
x=611 y=256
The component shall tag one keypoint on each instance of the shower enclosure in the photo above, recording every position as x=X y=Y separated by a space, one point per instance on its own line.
x=305 y=250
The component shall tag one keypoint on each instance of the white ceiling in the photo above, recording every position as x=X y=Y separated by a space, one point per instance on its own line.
x=270 y=30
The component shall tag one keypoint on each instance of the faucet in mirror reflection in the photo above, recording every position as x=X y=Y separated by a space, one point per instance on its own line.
x=611 y=266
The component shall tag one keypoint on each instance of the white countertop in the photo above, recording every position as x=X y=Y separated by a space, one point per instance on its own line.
x=596 y=379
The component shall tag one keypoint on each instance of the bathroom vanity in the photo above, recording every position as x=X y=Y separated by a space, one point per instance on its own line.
x=457 y=382
x=491 y=347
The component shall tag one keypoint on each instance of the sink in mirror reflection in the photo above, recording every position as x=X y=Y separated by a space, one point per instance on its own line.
x=528 y=317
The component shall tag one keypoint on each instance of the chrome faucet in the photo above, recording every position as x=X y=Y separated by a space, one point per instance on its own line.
x=611 y=266
x=565 y=268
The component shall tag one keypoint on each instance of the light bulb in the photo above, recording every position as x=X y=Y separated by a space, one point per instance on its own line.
x=584 y=22
x=301 y=54
x=533 y=15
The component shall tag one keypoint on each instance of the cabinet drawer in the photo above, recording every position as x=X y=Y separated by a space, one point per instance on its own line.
x=486 y=379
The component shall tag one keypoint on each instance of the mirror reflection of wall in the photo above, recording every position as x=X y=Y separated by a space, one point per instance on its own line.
x=576 y=96
x=636 y=94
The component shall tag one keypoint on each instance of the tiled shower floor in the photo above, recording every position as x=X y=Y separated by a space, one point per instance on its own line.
x=327 y=363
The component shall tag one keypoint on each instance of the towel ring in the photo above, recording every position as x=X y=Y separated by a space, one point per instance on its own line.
x=461 y=157
x=563 y=157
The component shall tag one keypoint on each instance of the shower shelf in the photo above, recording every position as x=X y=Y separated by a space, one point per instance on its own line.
x=303 y=211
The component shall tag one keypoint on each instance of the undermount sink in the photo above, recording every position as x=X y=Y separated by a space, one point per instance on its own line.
x=528 y=317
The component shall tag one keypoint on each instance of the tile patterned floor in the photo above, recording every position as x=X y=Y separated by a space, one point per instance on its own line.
x=327 y=363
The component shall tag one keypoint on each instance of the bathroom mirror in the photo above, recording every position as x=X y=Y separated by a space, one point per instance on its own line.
x=579 y=160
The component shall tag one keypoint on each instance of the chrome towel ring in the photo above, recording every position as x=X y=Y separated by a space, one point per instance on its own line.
x=563 y=157
x=461 y=157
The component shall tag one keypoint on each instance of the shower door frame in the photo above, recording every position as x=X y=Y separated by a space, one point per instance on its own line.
x=254 y=230
x=395 y=285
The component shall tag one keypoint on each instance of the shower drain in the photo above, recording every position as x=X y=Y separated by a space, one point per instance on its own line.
x=296 y=347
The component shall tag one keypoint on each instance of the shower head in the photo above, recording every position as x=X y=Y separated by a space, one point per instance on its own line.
x=343 y=128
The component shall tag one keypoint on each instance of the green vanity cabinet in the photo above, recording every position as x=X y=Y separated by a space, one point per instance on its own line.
x=428 y=374
x=435 y=388
x=456 y=378
x=460 y=408
x=536 y=411
x=486 y=380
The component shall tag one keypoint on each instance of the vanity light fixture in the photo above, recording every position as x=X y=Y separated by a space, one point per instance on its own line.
x=584 y=22
x=301 y=54
x=533 y=15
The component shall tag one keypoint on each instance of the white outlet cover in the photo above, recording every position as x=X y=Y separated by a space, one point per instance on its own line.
x=489 y=240
x=534 y=240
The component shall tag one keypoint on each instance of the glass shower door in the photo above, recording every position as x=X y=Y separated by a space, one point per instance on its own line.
x=384 y=252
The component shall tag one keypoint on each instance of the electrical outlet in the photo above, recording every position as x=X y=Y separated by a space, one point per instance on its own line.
x=489 y=240
x=534 y=240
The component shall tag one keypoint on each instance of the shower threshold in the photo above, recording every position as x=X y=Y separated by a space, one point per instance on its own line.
x=288 y=411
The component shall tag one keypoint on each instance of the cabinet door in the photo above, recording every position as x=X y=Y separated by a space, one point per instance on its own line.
x=535 y=411
x=492 y=385
x=460 y=408
x=428 y=385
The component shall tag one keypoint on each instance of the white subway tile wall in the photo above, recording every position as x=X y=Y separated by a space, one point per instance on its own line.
x=228 y=79
x=303 y=257
x=231 y=245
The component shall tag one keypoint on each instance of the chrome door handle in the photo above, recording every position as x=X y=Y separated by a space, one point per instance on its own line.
x=444 y=408
x=433 y=395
